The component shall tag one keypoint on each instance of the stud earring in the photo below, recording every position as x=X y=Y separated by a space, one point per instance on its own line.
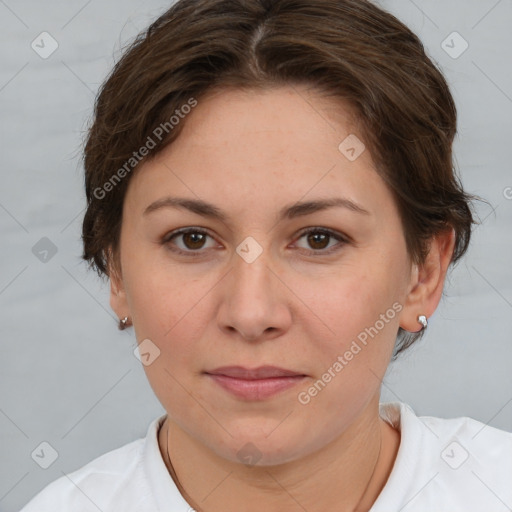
x=123 y=323
x=422 y=319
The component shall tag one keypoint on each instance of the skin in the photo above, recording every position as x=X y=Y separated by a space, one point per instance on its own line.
x=251 y=153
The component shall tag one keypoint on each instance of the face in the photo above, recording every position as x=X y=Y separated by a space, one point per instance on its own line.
x=317 y=291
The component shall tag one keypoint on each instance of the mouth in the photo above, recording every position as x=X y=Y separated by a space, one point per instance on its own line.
x=255 y=384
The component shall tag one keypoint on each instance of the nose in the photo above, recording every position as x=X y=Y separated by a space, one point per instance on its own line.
x=255 y=303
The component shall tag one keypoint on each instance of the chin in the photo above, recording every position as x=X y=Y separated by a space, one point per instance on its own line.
x=260 y=448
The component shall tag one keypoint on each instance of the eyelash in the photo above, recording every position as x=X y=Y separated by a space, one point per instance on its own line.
x=320 y=252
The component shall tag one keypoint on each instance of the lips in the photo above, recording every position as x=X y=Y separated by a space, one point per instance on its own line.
x=255 y=384
x=263 y=372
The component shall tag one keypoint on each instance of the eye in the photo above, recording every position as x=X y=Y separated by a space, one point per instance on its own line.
x=319 y=239
x=193 y=239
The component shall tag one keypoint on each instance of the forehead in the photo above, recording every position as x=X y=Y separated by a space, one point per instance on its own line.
x=293 y=112
x=274 y=147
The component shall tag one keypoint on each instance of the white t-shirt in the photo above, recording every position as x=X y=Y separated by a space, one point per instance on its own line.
x=442 y=465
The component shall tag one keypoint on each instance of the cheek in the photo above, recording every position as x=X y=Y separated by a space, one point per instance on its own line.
x=173 y=310
x=347 y=304
x=170 y=315
x=352 y=347
x=354 y=316
x=160 y=296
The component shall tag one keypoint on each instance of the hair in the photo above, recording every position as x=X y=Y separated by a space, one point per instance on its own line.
x=349 y=50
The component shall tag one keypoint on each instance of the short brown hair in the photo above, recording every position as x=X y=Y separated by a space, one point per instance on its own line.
x=350 y=50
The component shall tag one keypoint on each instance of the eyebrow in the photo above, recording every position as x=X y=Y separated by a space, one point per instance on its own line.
x=288 y=212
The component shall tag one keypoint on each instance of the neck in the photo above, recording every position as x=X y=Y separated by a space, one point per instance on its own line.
x=346 y=475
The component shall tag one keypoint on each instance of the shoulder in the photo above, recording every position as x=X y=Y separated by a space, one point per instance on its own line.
x=448 y=464
x=113 y=481
x=477 y=438
x=465 y=438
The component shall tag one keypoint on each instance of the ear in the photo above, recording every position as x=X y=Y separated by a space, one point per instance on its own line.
x=118 y=300
x=427 y=281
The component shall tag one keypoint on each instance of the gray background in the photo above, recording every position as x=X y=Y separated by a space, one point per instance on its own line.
x=70 y=378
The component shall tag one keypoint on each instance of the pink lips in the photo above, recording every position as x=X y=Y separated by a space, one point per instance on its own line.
x=256 y=384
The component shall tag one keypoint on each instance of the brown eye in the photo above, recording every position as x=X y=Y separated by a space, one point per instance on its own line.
x=319 y=240
x=192 y=240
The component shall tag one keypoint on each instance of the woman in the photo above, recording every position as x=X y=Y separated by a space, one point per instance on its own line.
x=271 y=193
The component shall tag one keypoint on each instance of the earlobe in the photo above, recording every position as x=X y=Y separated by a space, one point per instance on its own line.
x=427 y=281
